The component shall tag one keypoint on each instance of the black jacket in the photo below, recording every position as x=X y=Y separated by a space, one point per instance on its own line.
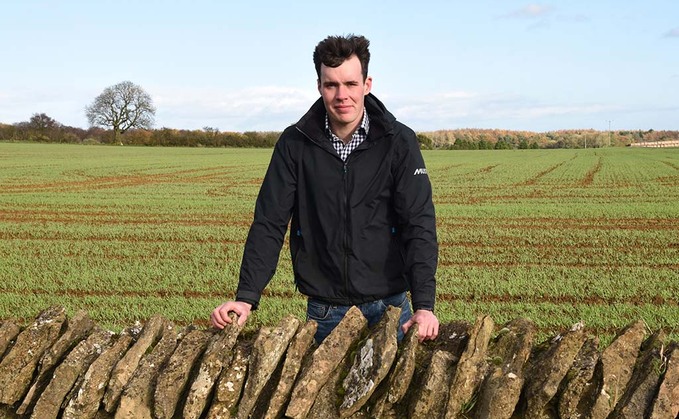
x=361 y=230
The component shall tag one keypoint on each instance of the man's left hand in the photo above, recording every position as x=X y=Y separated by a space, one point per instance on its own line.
x=428 y=325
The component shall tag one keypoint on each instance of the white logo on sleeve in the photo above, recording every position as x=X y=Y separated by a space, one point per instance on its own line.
x=420 y=171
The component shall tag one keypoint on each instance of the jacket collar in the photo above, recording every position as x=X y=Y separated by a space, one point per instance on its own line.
x=381 y=120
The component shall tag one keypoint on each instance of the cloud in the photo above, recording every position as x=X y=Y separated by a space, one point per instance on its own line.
x=64 y=103
x=531 y=11
x=272 y=108
x=469 y=109
x=264 y=108
x=672 y=33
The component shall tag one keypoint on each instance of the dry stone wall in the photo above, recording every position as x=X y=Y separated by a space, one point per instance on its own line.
x=61 y=367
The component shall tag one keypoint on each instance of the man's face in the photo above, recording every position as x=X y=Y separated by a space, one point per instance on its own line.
x=343 y=90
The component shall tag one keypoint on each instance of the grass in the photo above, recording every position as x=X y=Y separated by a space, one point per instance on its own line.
x=557 y=236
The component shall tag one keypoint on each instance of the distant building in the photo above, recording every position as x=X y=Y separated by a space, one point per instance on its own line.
x=673 y=143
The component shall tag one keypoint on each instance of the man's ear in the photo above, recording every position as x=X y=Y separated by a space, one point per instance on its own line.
x=368 y=85
x=318 y=85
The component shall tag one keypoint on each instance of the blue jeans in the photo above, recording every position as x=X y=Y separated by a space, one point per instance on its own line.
x=329 y=315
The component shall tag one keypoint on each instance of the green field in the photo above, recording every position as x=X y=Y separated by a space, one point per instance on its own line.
x=558 y=236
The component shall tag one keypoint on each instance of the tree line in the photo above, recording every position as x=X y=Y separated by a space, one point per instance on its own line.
x=485 y=139
x=42 y=128
x=124 y=114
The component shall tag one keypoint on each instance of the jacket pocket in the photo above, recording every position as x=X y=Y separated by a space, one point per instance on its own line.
x=317 y=310
x=396 y=300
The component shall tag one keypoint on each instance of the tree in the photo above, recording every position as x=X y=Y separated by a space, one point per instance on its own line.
x=43 y=128
x=503 y=144
x=122 y=107
x=425 y=142
x=41 y=122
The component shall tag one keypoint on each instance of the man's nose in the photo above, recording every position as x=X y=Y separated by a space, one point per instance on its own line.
x=342 y=92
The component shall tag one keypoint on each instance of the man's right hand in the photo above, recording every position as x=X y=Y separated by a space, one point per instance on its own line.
x=220 y=315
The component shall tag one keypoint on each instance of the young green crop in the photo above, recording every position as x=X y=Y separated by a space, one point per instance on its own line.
x=558 y=236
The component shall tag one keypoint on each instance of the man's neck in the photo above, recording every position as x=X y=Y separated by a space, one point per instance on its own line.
x=345 y=132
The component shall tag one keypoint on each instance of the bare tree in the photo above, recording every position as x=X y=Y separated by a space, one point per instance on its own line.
x=122 y=107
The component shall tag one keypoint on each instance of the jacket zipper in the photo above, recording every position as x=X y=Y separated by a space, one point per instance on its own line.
x=345 y=194
x=345 y=197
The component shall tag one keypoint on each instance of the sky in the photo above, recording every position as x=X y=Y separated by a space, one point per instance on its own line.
x=247 y=65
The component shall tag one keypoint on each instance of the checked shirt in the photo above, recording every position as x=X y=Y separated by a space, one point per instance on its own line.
x=343 y=150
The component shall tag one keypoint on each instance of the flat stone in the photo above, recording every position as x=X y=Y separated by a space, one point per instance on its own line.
x=128 y=364
x=643 y=385
x=325 y=406
x=399 y=380
x=76 y=329
x=19 y=365
x=8 y=331
x=617 y=363
x=136 y=401
x=471 y=368
x=67 y=373
x=666 y=404
x=324 y=361
x=372 y=363
x=173 y=379
x=405 y=366
x=509 y=352
x=431 y=397
x=217 y=356
x=85 y=403
x=230 y=385
x=549 y=367
x=268 y=350
x=299 y=348
x=577 y=383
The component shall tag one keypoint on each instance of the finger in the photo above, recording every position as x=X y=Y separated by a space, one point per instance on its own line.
x=215 y=321
x=428 y=333
x=221 y=316
x=422 y=334
x=242 y=318
x=433 y=332
x=407 y=325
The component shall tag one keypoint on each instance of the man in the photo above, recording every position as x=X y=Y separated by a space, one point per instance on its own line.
x=353 y=180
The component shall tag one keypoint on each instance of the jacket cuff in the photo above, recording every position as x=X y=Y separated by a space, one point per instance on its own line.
x=248 y=297
x=423 y=305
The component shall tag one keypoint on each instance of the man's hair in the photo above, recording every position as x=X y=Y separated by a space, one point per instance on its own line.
x=334 y=50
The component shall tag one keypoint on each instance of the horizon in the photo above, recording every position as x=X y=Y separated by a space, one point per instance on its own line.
x=505 y=65
x=566 y=130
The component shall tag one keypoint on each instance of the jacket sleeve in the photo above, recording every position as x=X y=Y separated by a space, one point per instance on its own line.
x=417 y=221
x=273 y=210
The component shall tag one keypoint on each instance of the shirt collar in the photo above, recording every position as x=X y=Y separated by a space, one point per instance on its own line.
x=362 y=129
